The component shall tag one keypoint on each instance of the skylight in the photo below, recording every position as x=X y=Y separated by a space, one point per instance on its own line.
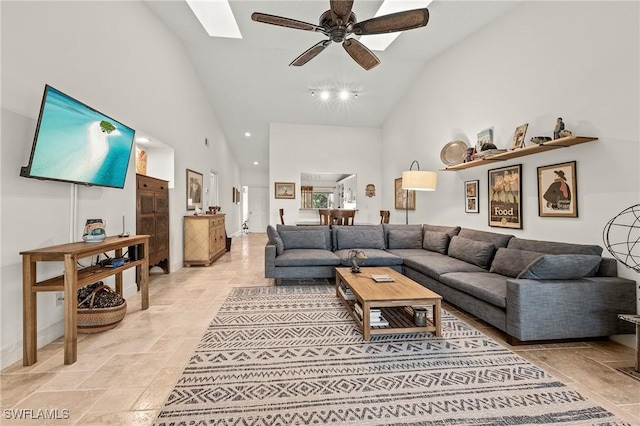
x=216 y=17
x=380 y=42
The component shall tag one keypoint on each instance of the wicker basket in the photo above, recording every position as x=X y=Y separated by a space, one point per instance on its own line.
x=96 y=320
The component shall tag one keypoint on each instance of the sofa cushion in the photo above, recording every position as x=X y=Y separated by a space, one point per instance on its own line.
x=304 y=239
x=561 y=267
x=310 y=228
x=358 y=236
x=435 y=264
x=375 y=257
x=435 y=241
x=554 y=247
x=452 y=231
x=275 y=239
x=512 y=262
x=498 y=240
x=307 y=257
x=404 y=253
x=403 y=236
x=486 y=286
x=478 y=253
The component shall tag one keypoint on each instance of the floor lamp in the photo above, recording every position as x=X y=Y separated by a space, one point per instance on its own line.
x=417 y=180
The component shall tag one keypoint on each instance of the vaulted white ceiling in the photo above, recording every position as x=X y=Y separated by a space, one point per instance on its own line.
x=250 y=84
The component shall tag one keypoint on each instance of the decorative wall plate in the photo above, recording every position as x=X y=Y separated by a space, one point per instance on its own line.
x=454 y=153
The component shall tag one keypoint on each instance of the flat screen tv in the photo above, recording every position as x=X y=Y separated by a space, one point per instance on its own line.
x=75 y=143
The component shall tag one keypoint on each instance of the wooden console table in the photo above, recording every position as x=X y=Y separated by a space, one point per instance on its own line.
x=69 y=283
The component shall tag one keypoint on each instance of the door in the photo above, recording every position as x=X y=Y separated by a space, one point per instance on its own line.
x=258 y=209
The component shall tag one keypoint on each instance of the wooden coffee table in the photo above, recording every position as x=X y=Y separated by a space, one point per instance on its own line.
x=395 y=299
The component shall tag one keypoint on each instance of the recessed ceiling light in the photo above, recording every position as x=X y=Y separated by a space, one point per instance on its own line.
x=247 y=134
x=380 y=42
x=255 y=163
x=324 y=95
x=344 y=95
x=216 y=17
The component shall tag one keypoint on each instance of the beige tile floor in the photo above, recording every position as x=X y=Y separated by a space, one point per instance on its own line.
x=122 y=376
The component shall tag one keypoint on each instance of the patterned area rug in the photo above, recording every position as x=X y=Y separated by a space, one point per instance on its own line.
x=293 y=356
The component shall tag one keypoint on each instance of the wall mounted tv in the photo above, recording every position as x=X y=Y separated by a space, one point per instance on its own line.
x=75 y=143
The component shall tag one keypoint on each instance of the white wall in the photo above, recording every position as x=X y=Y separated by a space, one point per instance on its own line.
x=298 y=148
x=118 y=58
x=543 y=60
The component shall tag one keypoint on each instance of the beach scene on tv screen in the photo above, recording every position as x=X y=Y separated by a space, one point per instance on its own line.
x=77 y=143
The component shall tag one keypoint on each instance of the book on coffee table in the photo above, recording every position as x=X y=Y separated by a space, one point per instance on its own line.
x=381 y=278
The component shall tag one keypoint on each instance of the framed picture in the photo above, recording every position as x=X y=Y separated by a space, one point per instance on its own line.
x=237 y=196
x=505 y=200
x=471 y=196
x=285 y=190
x=233 y=195
x=558 y=190
x=518 y=137
x=401 y=197
x=194 y=190
x=484 y=137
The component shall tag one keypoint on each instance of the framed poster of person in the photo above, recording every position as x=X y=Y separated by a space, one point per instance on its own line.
x=558 y=190
x=471 y=198
x=401 y=197
x=505 y=197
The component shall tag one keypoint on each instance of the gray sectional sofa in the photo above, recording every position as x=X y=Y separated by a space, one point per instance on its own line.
x=531 y=290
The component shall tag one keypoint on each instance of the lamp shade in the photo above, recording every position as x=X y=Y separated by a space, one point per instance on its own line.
x=419 y=180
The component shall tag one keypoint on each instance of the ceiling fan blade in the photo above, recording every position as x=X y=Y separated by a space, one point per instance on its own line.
x=361 y=54
x=341 y=10
x=285 y=22
x=310 y=53
x=400 y=21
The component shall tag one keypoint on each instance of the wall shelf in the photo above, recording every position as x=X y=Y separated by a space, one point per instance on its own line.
x=530 y=150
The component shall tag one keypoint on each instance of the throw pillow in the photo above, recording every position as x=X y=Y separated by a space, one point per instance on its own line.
x=561 y=267
x=275 y=239
x=404 y=236
x=471 y=251
x=435 y=241
x=359 y=237
x=303 y=239
x=511 y=263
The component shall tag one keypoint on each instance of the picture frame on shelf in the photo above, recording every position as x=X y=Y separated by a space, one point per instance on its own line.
x=471 y=196
x=401 y=197
x=285 y=190
x=484 y=137
x=558 y=190
x=194 y=189
x=518 y=137
x=505 y=197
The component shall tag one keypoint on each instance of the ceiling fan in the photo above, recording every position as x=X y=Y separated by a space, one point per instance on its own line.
x=339 y=22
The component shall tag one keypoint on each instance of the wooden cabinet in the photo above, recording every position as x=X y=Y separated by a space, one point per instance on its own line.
x=530 y=150
x=152 y=218
x=205 y=239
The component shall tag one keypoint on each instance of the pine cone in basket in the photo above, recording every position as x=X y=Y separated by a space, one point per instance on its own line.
x=104 y=297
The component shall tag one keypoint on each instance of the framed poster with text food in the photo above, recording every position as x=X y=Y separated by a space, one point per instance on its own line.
x=505 y=197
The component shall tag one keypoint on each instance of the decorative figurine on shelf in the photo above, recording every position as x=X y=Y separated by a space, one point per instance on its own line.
x=565 y=133
x=354 y=256
x=559 y=127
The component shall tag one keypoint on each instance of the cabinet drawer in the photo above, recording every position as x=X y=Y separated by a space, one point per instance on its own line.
x=151 y=184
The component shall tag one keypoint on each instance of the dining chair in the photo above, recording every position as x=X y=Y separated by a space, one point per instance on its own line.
x=325 y=216
x=282 y=216
x=343 y=217
x=384 y=216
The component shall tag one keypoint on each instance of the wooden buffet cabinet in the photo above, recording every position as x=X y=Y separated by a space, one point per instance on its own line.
x=205 y=239
x=152 y=218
